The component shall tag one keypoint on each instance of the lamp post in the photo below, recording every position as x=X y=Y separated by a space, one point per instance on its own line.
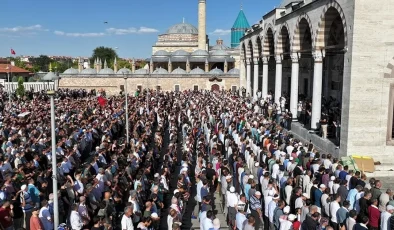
x=127 y=108
x=51 y=93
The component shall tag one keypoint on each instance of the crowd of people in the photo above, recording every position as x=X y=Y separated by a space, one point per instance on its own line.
x=186 y=151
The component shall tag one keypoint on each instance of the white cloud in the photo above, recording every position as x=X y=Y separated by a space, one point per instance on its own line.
x=221 y=32
x=21 y=29
x=131 y=30
x=61 y=33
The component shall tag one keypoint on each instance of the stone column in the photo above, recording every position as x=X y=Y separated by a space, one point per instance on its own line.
x=255 y=77
x=317 y=89
x=241 y=75
x=225 y=66
x=278 y=79
x=206 y=66
x=248 y=77
x=295 y=68
x=265 y=77
x=169 y=65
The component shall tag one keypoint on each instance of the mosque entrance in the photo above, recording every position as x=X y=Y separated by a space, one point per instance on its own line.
x=215 y=87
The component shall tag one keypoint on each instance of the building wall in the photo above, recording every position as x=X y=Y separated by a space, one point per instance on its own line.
x=174 y=47
x=372 y=51
x=112 y=85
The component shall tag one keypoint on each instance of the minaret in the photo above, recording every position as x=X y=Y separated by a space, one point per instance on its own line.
x=187 y=65
x=202 y=33
x=105 y=64
x=115 y=66
x=133 y=66
x=206 y=65
x=97 y=65
x=151 y=66
x=80 y=64
x=100 y=64
x=169 y=65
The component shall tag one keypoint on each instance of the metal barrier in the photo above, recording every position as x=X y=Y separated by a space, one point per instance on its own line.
x=35 y=86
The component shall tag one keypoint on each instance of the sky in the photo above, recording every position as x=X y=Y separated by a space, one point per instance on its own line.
x=76 y=27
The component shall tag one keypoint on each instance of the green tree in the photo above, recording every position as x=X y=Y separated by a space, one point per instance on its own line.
x=141 y=64
x=20 y=91
x=18 y=62
x=104 y=53
x=122 y=63
x=41 y=63
x=15 y=79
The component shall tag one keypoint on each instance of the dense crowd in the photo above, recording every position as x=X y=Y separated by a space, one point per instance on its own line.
x=186 y=151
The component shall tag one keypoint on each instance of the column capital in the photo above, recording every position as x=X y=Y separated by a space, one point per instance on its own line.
x=318 y=55
x=255 y=61
x=247 y=60
x=265 y=59
x=278 y=58
x=295 y=57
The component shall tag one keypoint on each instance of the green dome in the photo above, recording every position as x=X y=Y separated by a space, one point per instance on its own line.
x=237 y=31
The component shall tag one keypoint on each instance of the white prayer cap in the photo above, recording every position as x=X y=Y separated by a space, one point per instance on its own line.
x=390 y=207
x=286 y=209
x=256 y=164
x=291 y=217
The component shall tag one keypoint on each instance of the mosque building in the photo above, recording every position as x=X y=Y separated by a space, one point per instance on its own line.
x=181 y=59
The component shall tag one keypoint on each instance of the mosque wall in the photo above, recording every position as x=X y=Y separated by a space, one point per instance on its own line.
x=370 y=86
x=112 y=85
x=174 y=47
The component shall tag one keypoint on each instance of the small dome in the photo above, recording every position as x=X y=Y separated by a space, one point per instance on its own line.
x=197 y=70
x=71 y=71
x=161 y=53
x=216 y=71
x=106 y=71
x=219 y=53
x=124 y=71
x=233 y=71
x=88 y=71
x=141 y=71
x=180 y=53
x=219 y=47
x=160 y=71
x=200 y=53
x=182 y=28
x=178 y=71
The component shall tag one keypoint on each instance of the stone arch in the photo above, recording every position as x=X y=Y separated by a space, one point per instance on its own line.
x=300 y=30
x=249 y=47
x=258 y=47
x=269 y=41
x=330 y=12
x=283 y=41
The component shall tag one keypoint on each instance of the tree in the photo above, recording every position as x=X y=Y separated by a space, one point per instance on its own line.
x=15 y=79
x=41 y=63
x=122 y=63
x=104 y=53
x=20 y=91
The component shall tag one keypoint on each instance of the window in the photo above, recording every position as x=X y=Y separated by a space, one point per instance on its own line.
x=158 y=87
x=177 y=88
x=390 y=121
x=139 y=87
x=122 y=87
x=195 y=87
x=233 y=88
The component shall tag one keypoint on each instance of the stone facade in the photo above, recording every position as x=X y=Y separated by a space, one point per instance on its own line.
x=112 y=85
x=363 y=66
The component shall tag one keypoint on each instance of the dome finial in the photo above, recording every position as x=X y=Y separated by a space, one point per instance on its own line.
x=241 y=4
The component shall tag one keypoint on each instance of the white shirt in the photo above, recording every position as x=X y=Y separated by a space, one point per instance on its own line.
x=232 y=199
x=207 y=224
x=385 y=221
x=334 y=206
x=127 y=223
x=299 y=203
x=199 y=186
x=271 y=208
x=239 y=220
x=75 y=219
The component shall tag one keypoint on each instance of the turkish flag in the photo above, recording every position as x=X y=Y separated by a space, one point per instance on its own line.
x=102 y=101
x=13 y=52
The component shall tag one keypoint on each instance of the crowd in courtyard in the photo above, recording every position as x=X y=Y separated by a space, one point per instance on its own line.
x=186 y=151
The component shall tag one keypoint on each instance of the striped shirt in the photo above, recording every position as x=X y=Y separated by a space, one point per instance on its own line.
x=28 y=207
x=255 y=203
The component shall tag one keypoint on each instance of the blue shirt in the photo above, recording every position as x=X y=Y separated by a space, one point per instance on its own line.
x=318 y=195
x=204 y=191
x=342 y=175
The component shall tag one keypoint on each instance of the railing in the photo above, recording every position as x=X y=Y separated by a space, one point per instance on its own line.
x=36 y=86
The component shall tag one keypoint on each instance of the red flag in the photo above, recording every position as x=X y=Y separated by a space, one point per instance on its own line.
x=13 y=52
x=102 y=101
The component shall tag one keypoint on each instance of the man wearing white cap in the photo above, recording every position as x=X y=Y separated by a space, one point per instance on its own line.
x=385 y=218
x=232 y=202
x=271 y=208
x=240 y=217
x=287 y=224
x=300 y=201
